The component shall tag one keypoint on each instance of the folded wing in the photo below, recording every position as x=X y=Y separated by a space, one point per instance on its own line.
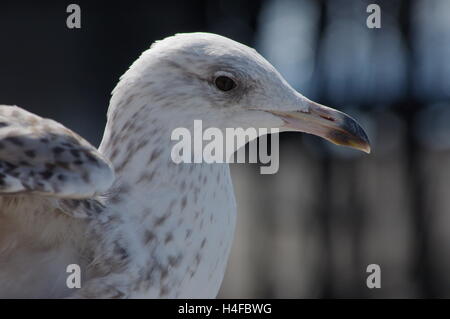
x=41 y=156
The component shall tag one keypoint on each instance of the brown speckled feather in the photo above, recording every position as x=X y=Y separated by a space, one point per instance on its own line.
x=42 y=156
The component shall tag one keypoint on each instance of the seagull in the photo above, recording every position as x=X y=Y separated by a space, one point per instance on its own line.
x=134 y=222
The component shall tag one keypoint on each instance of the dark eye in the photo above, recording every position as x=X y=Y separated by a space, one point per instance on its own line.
x=224 y=83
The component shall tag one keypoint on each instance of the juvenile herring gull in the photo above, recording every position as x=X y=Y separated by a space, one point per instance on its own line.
x=137 y=224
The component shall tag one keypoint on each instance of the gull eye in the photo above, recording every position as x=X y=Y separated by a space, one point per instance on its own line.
x=224 y=83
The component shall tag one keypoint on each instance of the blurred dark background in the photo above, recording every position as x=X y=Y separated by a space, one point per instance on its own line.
x=312 y=229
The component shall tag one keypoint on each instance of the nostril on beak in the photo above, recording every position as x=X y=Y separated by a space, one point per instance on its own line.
x=328 y=118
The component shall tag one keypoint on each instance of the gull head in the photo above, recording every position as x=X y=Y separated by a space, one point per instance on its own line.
x=203 y=76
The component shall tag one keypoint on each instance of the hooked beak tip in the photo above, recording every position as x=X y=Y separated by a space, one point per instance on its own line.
x=348 y=133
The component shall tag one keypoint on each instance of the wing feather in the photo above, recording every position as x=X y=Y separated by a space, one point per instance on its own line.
x=42 y=156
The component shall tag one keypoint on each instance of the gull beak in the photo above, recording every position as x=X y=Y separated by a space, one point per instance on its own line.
x=330 y=124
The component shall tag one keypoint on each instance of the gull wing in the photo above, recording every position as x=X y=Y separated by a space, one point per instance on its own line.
x=42 y=156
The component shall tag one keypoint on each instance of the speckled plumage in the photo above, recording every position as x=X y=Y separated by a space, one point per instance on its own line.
x=139 y=225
